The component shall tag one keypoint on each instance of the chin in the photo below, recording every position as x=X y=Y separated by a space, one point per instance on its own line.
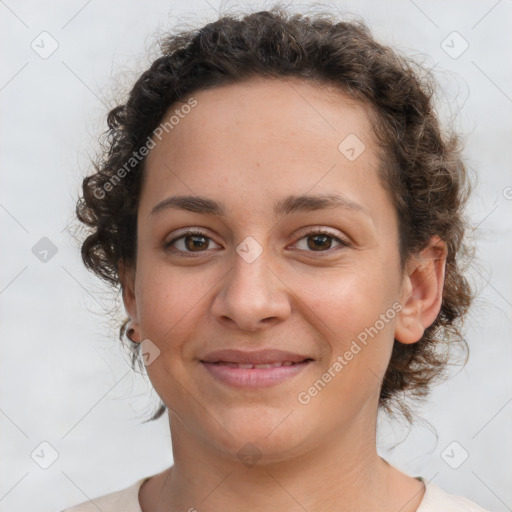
x=254 y=440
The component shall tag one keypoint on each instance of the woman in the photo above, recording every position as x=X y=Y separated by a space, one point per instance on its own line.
x=284 y=218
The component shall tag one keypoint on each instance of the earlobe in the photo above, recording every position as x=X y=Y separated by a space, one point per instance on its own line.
x=422 y=291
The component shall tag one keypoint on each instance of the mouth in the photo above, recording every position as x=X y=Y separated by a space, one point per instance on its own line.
x=254 y=357
x=254 y=369
x=264 y=366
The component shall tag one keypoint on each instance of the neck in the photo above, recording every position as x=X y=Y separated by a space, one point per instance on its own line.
x=342 y=473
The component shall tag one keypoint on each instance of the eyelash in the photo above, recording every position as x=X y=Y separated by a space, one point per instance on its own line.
x=195 y=232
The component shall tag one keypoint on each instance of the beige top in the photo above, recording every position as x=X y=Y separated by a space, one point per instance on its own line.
x=127 y=500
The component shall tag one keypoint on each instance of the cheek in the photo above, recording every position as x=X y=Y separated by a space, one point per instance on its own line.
x=360 y=345
x=168 y=304
x=346 y=301
x=352 y=310
x=169 y=308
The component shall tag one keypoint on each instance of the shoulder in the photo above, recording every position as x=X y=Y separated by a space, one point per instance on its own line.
x=125 y=500
x=436 y=500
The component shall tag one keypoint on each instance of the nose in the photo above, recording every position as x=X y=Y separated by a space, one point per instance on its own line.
x=252 y=296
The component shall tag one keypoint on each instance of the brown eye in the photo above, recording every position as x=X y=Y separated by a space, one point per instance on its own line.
x=193 y=242
x=320 y=241
x=316 y=242
x=189 y=242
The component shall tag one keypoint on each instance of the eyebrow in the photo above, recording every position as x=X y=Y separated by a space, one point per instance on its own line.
x=288 y=205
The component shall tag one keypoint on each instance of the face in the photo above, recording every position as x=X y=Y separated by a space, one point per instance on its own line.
x=269 y=271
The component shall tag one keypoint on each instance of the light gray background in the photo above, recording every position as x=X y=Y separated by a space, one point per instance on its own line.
x=65 y=379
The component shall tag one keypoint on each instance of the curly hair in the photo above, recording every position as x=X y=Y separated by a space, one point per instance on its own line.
x=421 y=166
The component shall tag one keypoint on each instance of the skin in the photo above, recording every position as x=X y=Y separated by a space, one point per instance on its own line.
x=248 y=146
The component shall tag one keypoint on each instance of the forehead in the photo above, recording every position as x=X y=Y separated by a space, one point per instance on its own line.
x=265 y=136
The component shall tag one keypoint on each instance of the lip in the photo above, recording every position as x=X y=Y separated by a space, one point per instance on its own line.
x=253 y=377
x=221 y=366
x=267 y=356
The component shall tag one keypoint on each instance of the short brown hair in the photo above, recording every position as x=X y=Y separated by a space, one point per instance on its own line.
x=421 y=166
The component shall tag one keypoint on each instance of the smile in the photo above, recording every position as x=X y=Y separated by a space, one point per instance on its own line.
x=246 y=375
x=248 y=365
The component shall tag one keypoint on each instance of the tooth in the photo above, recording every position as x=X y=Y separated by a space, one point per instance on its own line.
x=231 y=365
x=261 y=366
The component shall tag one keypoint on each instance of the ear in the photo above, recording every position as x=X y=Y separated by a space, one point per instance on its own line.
x=127 y=279
x=422 y=291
